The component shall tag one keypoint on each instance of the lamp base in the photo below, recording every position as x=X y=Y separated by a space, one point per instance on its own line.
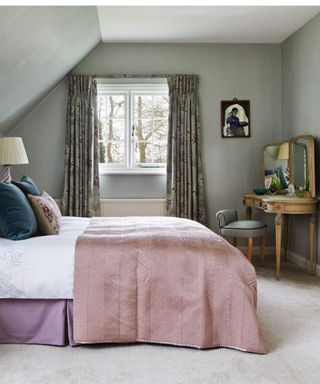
x=7 y=175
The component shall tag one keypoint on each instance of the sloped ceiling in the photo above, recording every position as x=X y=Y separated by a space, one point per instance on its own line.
x=38 y=47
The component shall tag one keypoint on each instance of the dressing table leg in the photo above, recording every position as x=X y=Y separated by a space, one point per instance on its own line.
x=312 y=225
x=249 y=213
x=249 y=252
x=278 y=224
x=262 y=247
x=286 y=236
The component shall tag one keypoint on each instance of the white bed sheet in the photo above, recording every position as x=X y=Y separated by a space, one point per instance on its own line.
x=40 y=267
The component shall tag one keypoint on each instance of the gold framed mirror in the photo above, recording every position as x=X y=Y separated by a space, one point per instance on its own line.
x=302 y=165
x=291 y=162
x=276 y=161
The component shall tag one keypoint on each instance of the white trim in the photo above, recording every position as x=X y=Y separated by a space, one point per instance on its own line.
x=138 y=200
x=108 y=170
x=129 y=167
x=302 y=262
x=296 y=259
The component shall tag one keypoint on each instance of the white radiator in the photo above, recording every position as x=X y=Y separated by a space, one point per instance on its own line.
x=130 y=207
x=133 y=207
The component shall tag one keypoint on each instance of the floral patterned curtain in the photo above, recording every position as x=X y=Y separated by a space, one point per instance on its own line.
x=185 y=184
x=81 y=181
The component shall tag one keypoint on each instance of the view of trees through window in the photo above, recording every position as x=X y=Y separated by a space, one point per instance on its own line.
x=140 y=119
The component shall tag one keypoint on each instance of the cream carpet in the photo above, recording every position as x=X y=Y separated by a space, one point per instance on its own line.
x=289 y=316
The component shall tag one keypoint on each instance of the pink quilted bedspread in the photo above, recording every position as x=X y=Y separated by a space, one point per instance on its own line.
x=163 y=280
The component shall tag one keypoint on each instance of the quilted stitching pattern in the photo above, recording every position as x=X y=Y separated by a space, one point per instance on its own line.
x=163 y=280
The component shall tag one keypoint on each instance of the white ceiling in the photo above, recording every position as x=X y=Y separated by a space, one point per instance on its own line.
x=215 y=24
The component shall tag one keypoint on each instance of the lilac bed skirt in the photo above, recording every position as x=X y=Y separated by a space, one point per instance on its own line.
x=36 y=321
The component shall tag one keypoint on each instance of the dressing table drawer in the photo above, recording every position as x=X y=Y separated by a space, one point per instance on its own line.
x=252 y=201
x=257 y=204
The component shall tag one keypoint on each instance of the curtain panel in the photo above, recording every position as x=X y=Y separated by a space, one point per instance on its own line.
x=185 y=183
x=81 y=195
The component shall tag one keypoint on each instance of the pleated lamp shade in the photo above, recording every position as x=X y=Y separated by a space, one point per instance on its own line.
x=12 y=151
x=283 y=153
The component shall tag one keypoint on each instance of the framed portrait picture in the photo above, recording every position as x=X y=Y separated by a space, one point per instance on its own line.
x=235 y=118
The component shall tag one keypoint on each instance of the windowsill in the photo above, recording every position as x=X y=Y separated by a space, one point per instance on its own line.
x=135 y=172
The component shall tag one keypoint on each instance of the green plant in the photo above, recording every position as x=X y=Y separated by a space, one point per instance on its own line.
x=308 y=183
x=275 y=183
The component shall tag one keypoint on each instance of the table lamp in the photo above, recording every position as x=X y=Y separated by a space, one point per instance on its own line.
x=283 y=153
x=12 y=152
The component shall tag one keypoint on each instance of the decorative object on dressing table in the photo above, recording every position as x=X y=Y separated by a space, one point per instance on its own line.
x=299 y=170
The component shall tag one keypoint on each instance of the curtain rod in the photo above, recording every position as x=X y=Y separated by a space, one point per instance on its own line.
x=128 y=76
x=151 y=76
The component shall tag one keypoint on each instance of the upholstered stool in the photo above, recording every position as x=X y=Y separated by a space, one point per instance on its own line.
x=230 y=226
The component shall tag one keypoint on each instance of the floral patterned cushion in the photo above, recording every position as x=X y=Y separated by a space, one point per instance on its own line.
x=47 y=213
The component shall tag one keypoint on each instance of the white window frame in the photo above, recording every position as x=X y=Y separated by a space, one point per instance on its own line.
x=130 y=90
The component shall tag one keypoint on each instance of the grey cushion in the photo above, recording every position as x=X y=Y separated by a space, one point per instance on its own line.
x=226 y=216
x=245 y=228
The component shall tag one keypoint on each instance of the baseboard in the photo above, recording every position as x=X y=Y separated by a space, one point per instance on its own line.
x=302 y=262
x=268 y=251
x=293 y=257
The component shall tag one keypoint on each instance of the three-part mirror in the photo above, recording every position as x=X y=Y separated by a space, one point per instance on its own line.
x=292 y=161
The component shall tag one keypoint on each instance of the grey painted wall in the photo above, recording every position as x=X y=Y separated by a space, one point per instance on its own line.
x=231 y=166
x=300 y=106
x=43 y=133
x=38 y=46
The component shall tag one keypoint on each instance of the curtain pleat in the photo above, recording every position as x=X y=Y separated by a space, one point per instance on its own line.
x=81 y=196
x=185 y=183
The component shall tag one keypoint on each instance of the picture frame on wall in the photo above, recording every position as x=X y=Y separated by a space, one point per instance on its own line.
x=235 y=119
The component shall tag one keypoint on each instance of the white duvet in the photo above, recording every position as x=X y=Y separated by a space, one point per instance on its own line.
x=40 y=267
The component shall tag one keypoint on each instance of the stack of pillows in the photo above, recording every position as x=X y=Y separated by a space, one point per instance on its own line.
x=25 y=211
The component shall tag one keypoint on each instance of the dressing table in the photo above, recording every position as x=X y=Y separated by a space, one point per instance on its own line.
x=296 y=167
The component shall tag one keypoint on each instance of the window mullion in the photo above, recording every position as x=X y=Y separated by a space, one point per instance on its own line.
x=130 y=125
x=152 y=134
x=106 y=139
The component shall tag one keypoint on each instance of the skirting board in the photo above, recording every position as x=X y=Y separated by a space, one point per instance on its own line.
x=293 y=257
x=302 y=262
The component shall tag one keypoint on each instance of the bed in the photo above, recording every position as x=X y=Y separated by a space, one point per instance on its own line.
x=180 y=284
x=36 y=284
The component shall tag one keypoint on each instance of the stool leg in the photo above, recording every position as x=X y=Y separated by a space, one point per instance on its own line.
x=234 y=243
x=262 y=245
x=249 y=253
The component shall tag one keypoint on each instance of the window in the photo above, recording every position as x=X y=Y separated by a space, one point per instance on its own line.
x=133 y=127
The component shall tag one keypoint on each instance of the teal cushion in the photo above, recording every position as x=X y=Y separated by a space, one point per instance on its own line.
x=17 y=220
x=27 y=186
